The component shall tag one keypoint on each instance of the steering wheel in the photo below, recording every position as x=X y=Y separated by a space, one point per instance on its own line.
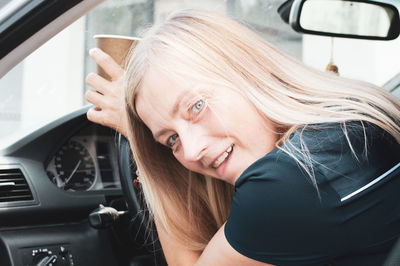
x=144 y=237
x=126 y=166
x=135 y=204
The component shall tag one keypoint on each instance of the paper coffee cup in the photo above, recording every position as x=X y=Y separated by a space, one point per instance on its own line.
x=117 y=46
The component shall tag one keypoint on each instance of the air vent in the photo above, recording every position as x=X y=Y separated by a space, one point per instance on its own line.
x=13 y=186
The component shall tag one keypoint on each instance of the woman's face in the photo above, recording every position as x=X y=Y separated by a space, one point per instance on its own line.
x=211 y=131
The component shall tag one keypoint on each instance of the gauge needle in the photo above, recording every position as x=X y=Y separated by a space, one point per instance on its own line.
x=73 y=172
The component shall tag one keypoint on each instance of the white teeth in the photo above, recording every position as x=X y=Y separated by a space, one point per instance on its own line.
x=222 y=158
x=229 y=149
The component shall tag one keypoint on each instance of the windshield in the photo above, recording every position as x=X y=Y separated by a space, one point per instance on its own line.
x=50 y=82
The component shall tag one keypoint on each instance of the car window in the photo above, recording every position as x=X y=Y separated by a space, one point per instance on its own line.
x=51 y=81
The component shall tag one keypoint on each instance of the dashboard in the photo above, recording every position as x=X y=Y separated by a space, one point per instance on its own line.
x=50 y=181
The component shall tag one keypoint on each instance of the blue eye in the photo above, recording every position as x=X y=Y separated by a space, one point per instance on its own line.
x=171 y=140
x=198 y=106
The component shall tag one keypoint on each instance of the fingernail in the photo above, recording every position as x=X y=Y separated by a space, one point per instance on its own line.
x=93 y=51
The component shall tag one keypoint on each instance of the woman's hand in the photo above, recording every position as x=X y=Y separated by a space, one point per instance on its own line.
x=107 y=96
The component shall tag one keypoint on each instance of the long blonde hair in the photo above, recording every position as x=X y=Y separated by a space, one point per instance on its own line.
x=199 y=46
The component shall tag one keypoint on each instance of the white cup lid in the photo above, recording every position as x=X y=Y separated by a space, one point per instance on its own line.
x=98 y=36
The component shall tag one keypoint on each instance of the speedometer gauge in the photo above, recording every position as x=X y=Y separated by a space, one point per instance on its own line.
x=74 y=167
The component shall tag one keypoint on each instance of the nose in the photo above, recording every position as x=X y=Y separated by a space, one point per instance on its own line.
x=193 y=143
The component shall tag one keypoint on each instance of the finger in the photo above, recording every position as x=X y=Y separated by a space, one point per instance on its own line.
x=98 y=83
x=95 y=98
x=95 y=116
x=107 y=63
x=101 y=117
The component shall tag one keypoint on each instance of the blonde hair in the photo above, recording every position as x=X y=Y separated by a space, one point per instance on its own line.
x=199 y=46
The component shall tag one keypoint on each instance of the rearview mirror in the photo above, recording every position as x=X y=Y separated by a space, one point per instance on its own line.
x=350 y=19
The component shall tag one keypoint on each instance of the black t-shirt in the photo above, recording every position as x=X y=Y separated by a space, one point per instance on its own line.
x=279 y=217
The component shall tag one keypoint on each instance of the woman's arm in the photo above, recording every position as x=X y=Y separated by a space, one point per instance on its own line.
x=175 y=253
x=107 y=98
x=218 y=252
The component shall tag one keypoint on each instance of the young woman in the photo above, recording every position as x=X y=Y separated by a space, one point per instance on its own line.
x=247 y=156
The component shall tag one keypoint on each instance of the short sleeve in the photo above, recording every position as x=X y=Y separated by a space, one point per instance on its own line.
x=278 y=217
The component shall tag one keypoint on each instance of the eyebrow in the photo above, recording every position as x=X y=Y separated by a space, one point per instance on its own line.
x=172 y=113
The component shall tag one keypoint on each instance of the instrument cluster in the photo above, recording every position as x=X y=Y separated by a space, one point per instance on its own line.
x=85 y=161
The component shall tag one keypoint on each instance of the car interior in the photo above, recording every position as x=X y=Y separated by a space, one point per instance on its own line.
x=67 y=193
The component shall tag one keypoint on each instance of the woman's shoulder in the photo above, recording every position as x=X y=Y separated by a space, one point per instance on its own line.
x=350 y=136
x=324 y=146
x=271 y=210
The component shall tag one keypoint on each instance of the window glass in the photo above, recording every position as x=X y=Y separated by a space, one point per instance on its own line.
x=45 y=85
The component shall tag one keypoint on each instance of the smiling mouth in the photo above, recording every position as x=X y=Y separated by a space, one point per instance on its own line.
x=223 y=156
